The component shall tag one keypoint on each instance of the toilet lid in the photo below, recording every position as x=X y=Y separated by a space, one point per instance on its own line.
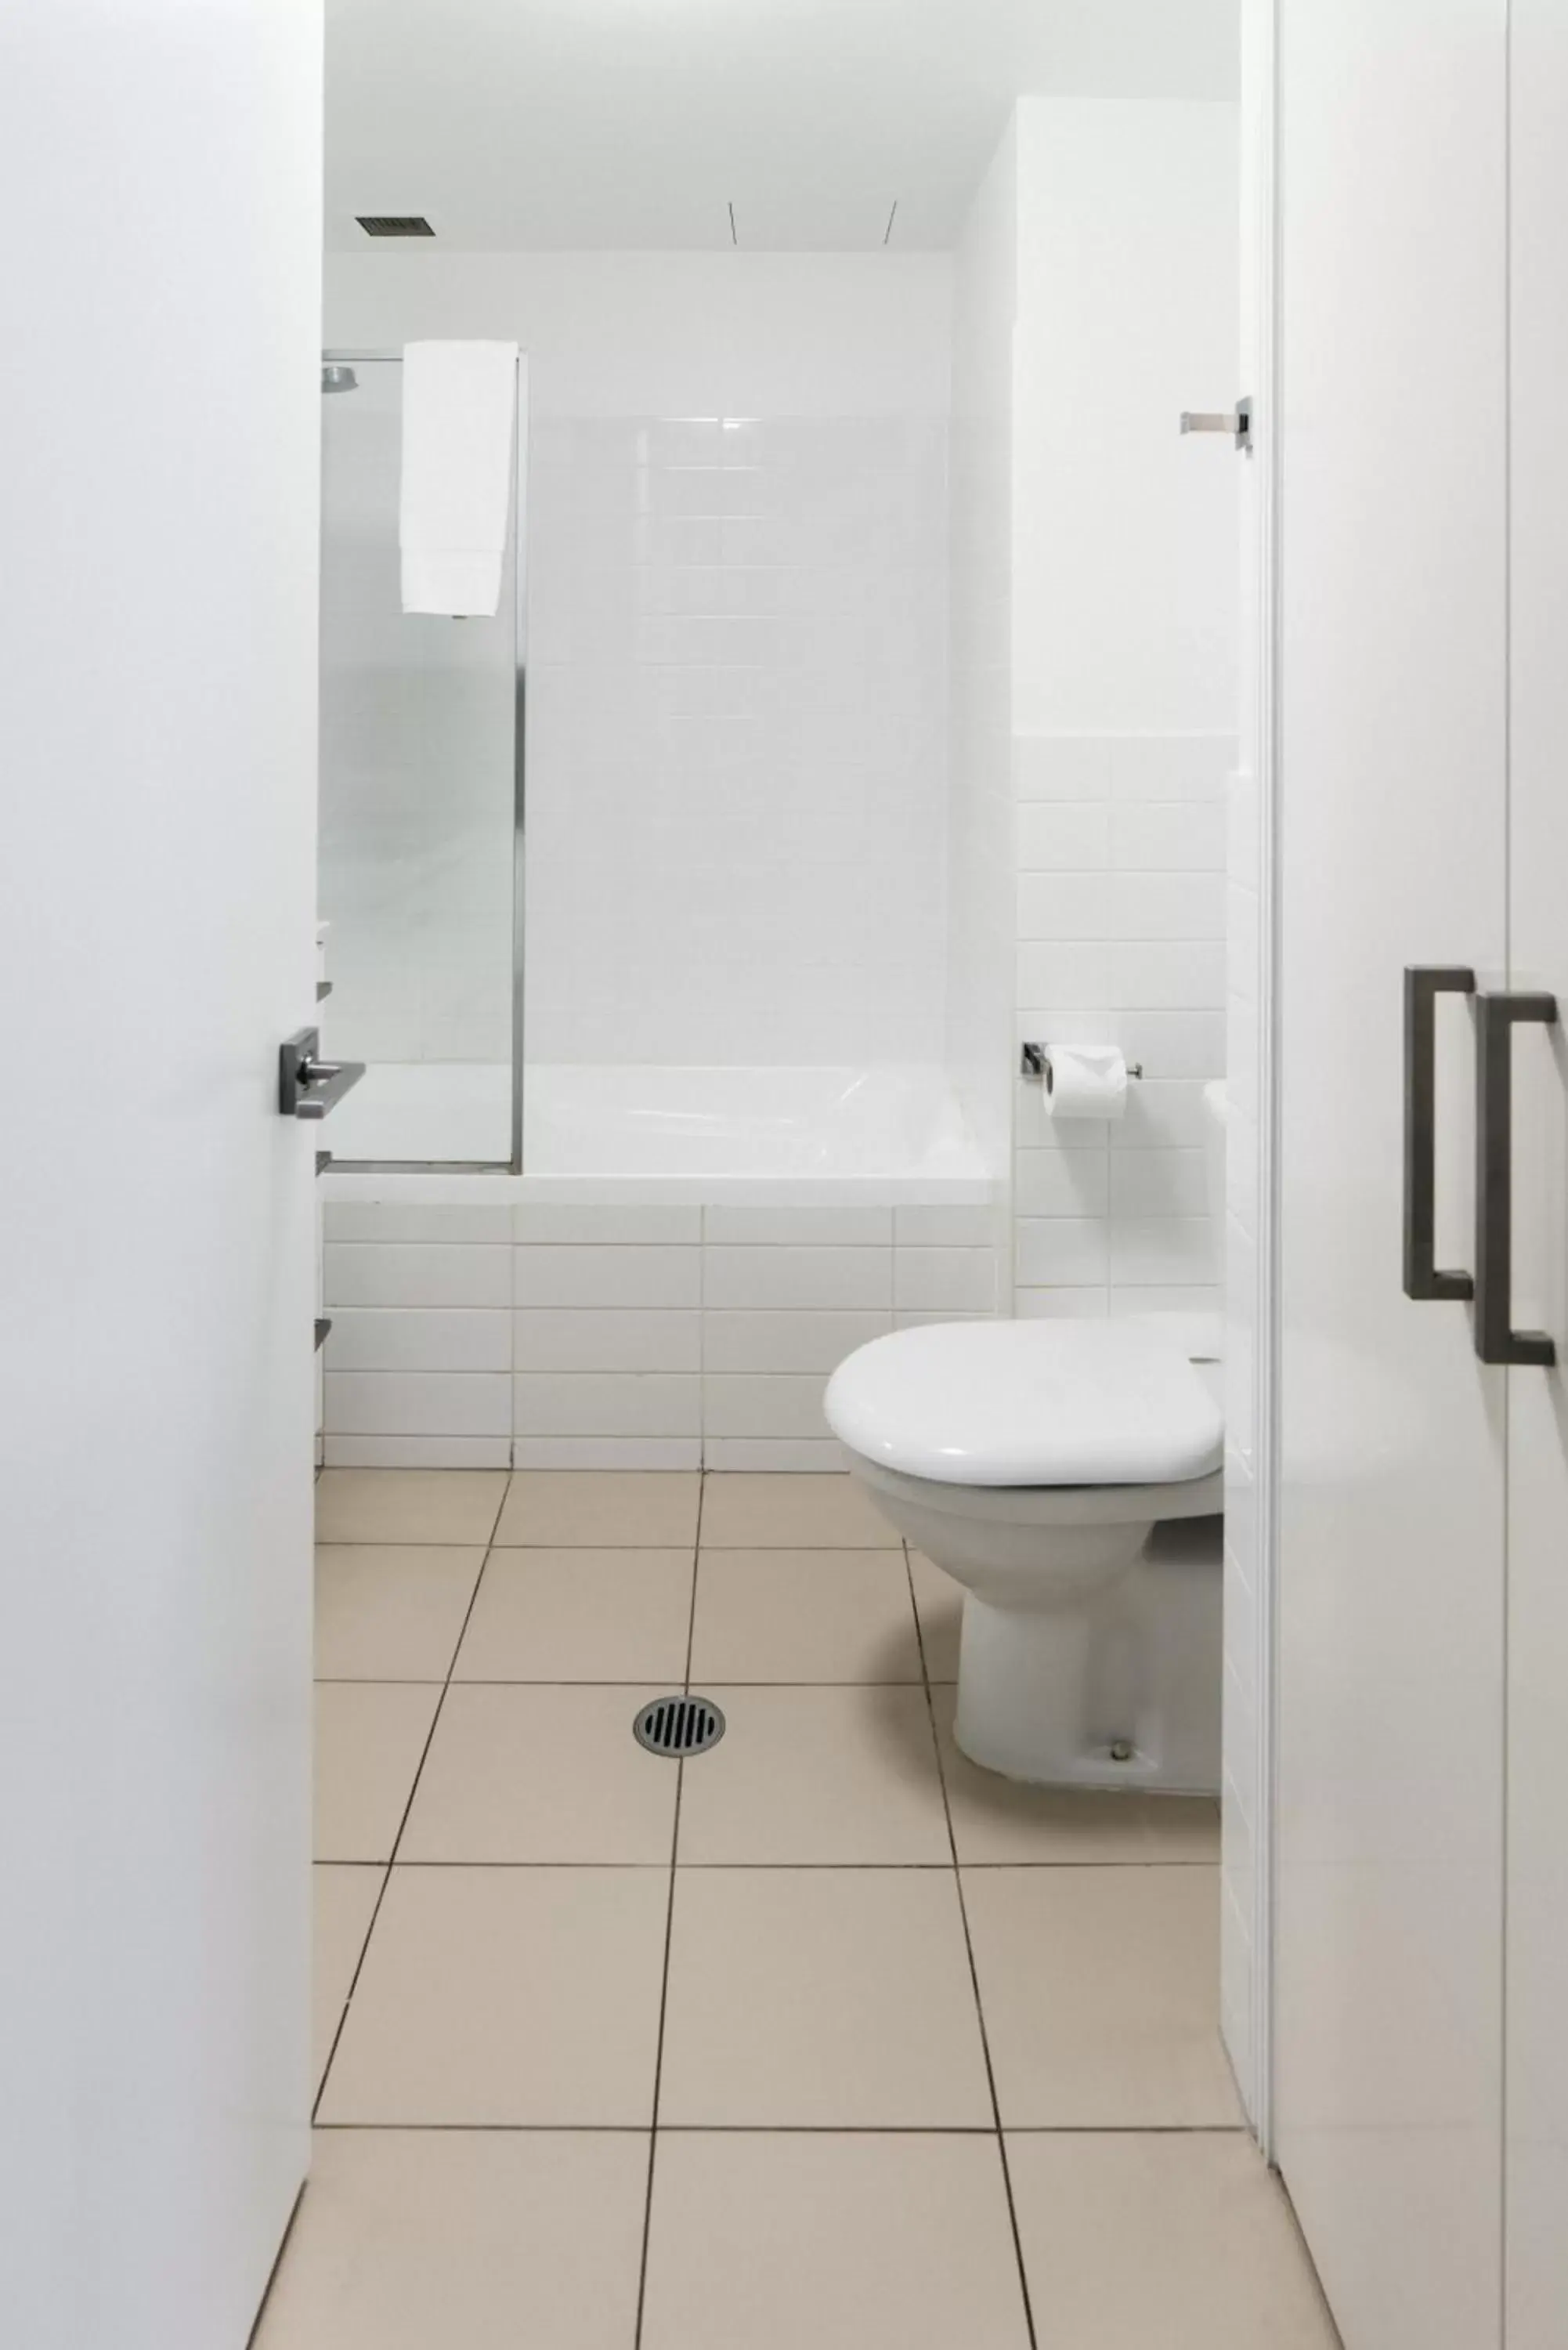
x=1028 y=1403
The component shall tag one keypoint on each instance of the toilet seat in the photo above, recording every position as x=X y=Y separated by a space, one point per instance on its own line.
x=1028 y=1404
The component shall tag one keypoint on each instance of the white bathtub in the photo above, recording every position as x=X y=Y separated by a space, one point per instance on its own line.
x=891 y=1133
x=688 y=1258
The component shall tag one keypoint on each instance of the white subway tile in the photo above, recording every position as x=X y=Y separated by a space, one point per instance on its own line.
x=607 y=1451
x=1064 y=837
x=1162 y=1114
x=1160 y=1183
x=1166 y=905
x=419 y=1338
x=1087 y=1305
x=1063 y=1183
x=417 y=1452
x=1171 y=766
x=609 y=1225
x=1157 y=1252
x=956 y=1281
x=945 y=1227
x=1062 y=766
x=361 y=1272
x=1189 y=1044
x=1170 y=974
x=606 y=1338
x=771 y=1455
x=417 y=1403
x=607 y=1276
x=925 y=1317
x=782 y=1277
x=379 y=1220
x=1167 y=837
x=1062 y=1252
x=776 y=1407
x=1193 y=1299
x=1070 y=974
x=606 y=1403
x=727 y=1226
x=796 y=1341
x=1066 y=906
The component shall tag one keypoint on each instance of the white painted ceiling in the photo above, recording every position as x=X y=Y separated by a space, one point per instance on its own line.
x=606 y=124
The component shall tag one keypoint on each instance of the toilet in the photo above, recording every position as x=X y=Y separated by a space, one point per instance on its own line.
x=1067 y=1474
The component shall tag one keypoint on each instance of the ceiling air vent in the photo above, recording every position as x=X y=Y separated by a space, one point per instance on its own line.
x=394 y=224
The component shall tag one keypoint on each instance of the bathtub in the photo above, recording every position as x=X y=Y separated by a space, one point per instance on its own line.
x=811 y=1134
x=686 y=1259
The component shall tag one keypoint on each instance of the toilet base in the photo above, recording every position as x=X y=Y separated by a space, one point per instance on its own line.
x=1023 y=1695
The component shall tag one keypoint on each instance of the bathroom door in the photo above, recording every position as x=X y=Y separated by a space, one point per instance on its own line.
x=160 y=167
x=1537 y=2062
x=1388 y=1987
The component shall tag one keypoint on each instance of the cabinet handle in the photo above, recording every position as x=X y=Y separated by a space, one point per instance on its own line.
x=1497 y=1340
x=1423 y=985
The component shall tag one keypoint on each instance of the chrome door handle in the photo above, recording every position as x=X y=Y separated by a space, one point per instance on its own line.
x=306 y=1086
x=1497 y=1340
x=1423 y=985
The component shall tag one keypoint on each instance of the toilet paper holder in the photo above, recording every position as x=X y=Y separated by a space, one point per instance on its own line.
x=1035 y=1059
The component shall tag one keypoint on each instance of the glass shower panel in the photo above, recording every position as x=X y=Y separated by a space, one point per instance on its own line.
x=419 y=818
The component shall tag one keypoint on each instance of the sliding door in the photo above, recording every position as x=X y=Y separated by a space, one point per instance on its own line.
x=1388 y=1988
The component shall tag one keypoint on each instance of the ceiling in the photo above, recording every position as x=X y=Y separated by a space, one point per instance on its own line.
x=615 y=124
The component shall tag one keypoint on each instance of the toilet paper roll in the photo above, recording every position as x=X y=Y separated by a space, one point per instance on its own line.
x=1085 y=1081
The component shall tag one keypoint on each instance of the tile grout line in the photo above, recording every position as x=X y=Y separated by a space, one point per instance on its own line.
x=668 y=1936
x=403 y=1821
x=973 y=1971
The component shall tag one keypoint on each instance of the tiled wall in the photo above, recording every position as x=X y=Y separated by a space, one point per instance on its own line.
x=600 y=1337
x=737 y=762
x=1121 y=940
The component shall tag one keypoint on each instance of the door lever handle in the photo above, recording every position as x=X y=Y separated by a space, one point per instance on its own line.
x=308 y=1087
x=1497 y=1340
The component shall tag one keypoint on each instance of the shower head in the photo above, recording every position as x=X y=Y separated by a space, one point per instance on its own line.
x=339 y=379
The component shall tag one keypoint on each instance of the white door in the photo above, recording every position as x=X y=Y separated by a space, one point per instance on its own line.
x=1537 y=2107
x=1394 y=707
x=160 y=168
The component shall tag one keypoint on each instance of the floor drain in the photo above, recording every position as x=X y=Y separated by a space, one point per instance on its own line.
x=679 y=1725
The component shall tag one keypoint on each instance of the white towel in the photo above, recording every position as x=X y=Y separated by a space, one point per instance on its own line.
x=458 y=409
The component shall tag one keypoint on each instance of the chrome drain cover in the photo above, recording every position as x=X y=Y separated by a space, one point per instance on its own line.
x=679 y=1725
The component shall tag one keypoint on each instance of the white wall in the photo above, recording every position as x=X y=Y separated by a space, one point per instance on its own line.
x=1124 y=679
x=980 y=813
x=737 y=770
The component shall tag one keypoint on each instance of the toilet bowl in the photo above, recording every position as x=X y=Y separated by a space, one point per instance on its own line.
x=1032 y=1461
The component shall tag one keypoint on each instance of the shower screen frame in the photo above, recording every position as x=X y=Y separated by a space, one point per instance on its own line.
x=514 y=1164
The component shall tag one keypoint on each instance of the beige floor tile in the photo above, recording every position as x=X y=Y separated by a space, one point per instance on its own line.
x=472 y=2240
x=580 y=1616
x=996 y=1819
x=369 y=1736
x=741 y=1512
x=848 y=2243
x=391 y=1612
x=839 y=1998
x=408 y=1505
x=518 y=1774
x=345 y=1903
x=803 y=1615
x=635 y=1509
x=519 y=1997
x=816 y=1776
x=1101 y=1992
x=939 y=1602
x=1182 y=2239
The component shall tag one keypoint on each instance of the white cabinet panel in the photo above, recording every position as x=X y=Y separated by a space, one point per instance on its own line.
x=1537 y=2058
x=1389 y=1990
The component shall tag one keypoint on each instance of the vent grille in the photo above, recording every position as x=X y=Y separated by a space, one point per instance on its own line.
x=679 y=1725
x=394 y=224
